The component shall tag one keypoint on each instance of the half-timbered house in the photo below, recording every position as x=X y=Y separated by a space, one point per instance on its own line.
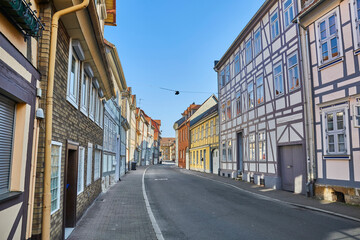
x=331 y=42
x=262 y=130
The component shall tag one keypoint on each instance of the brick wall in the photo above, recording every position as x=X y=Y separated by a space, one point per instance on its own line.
x=68 y=124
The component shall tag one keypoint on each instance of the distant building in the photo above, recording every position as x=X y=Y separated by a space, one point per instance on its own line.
x=204 y=147
x=183 y=136
x=167 y=149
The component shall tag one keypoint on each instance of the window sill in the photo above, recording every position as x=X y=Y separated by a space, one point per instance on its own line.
x=357 y=51
x=330 y=63
x=8 y=196
x=336 y=157
x=71 y=101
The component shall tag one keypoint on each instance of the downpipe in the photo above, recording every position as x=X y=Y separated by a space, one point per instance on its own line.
x=46 y=217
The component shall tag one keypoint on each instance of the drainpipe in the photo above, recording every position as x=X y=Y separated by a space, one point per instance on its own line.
x=309 y=127
x=48 y=117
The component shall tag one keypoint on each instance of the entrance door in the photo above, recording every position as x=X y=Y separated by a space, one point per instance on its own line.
x=70 y=188
x=292 y=161
x=239 y=155
x=215 y=161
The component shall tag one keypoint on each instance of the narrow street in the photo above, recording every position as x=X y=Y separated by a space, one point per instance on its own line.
x=186 y=205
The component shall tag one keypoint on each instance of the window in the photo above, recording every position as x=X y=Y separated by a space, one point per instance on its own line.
x=237 y=63
x=193 y=157
x=7 y=126
x=252 y=147
x=55 y=175
x=89 y=165
x=204 y=156
x=197 y=157
x=335 y=126
x=101 y=120
x=92 y=102
x=244 y=106
x=278 y=80
x=84 y=92
x=222 y=78
x=227 y=74
x=260 y=90
x=228 y=109
x=217 y=126
x=201 y=156
x=328 y=38
x=73 y=78
x=262 y=146
x=211 y=128
x=80 y=181
x=97 y=109
x=238 y=103
x=229 y=151
x=294 y=81
x=274 y=23
x=201 y=132
x=248 y=51
x=224 y=152
x=357 y=22
x=288 y=12
x=251 y=95
x=357 y=115
x=97 y=164
x=105 y=160
x=223 y=113
x=257 y=42
x=207 y=130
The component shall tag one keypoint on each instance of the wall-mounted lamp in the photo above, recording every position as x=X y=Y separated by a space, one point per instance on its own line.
x=40 y=113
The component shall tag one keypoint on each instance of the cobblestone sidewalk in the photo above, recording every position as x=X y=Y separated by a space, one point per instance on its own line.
x=120 y=213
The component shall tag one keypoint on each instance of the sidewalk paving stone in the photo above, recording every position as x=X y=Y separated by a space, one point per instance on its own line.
x=120 y=213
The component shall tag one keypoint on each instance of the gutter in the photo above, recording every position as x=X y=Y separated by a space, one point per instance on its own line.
x=46 y=217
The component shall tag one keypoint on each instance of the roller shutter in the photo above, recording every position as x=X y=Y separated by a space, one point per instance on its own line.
x=7 y=111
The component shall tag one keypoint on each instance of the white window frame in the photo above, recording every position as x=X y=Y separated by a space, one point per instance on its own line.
x=229 y=151
x=287 y=13
x=81 y=164
x=329 y=37
x=355 y=24
x=73 y=99
x=222 y=78
x=89 y=164
x=260 y=95
x=257 y=42
x=237 y=63
x=84 y=105
x=248 y=51
x=251 y=95
x=227 y=74
x=262 y=146
x=223 y=112
x=252 y=147
x=224 y=154
x=356 y=115
x=277 y=82
x=97 y=109
x=238 y=103
x=228 y=110
x=92 y=102
x=291 y=69
x=275 y=22
x=59 y=177
x=328 y=110
x=97 y=167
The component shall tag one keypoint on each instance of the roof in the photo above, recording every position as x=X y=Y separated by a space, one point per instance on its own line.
x=205 y=114
x=180 y=121
x=242 y=35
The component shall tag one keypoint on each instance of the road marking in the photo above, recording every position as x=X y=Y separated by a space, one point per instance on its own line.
x=280 y=201
x=161 y=179
x=148 y=207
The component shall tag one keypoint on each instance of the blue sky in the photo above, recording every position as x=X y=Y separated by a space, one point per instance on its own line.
x=173 y=44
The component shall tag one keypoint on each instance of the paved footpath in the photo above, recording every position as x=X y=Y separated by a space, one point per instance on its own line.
x=120 y=213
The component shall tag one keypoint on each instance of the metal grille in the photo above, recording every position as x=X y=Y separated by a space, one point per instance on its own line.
x=7 y=112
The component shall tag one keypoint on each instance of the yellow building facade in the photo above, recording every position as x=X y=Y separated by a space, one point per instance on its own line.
x=204 y=141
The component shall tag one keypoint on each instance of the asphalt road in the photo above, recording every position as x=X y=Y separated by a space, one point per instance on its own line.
x=189 y=207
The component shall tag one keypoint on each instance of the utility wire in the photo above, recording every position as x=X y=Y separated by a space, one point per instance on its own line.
x=177 y=92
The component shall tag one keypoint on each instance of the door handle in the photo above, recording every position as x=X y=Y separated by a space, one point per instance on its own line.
x=289 y=166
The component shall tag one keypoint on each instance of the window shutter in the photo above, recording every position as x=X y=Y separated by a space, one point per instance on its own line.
x=7 y=111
